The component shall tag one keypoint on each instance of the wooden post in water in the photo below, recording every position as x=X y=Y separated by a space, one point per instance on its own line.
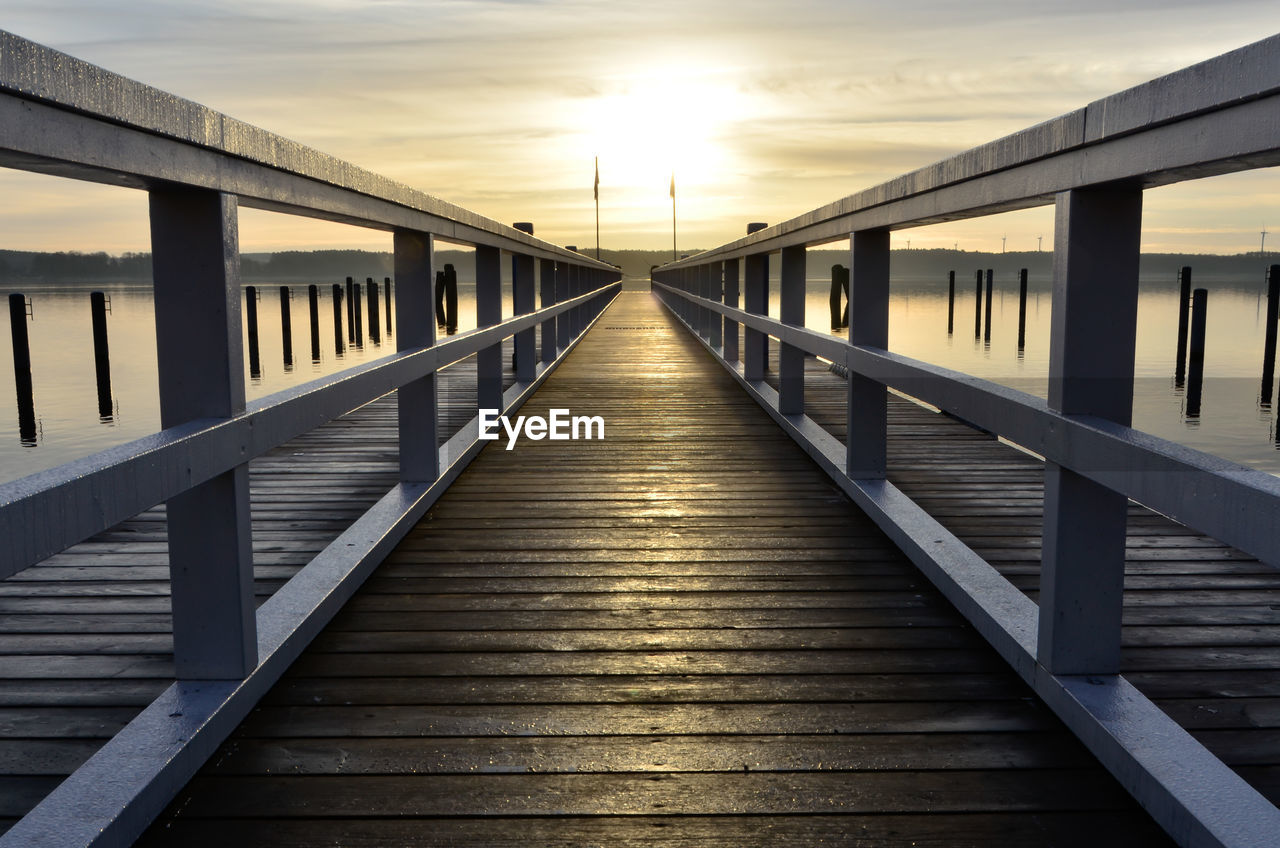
x=1269 y=345
x=22 y=368
x=313 y=310
x=450 y=299
x=101 y=353
x=440 y=287
x=196 y=277
x=951 y=302
x=357 y=319
x=844 y=285
x=977 y=305
x=337 y=320
x=351 y=311
x=1184 y=314
x=835 y=299
x=1022 y=309
x=251 y=319
x=1195 y=358
x=375 y=328
x=386 y=284
x=286 y=327
x=986 y=333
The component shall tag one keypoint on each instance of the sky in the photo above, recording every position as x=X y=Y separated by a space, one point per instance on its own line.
x=763 y=110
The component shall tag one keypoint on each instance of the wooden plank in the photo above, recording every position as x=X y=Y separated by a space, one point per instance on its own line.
x=938 y=830
x=684 y=618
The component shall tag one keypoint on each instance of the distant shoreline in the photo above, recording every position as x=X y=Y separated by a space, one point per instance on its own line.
x=34 y=268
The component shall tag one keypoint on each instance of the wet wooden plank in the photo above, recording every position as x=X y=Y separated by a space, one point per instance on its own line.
x=1102 y=829
x=684 y=619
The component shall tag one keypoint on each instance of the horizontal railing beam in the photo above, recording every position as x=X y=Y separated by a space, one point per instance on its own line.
x=64 y=116
x=819 y=344
x=38 y=137
x=1169 y=478
x=48 y=512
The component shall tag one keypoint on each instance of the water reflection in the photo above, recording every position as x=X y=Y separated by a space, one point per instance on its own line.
x=1234 y=419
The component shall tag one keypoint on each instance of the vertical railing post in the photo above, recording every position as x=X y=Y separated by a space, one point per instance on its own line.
x=414 y=262
x=690 y=276
x=351 y=311
x=286 y=326
x=754 y=294
x=731 y=299
x=686 y=306
x=564 y=322
x=579 y=288
x=547 y=287
x=703 y=277
x=523 y=294
x=196 y=275
x=791 y=311
x=1091 y=350
x=868 y=325
x=716 y=293
x=488 y=313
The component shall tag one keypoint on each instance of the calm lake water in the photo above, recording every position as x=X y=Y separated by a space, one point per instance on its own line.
x=1233 y=423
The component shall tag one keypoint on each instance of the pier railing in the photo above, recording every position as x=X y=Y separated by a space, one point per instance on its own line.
x=61 y=116
x=1093 y=164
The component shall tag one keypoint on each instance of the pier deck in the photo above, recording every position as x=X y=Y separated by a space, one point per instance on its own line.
x=681 y=634
x=86 y=636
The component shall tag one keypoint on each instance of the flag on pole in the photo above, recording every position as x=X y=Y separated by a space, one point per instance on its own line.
x=597 y=187
x=673 y=185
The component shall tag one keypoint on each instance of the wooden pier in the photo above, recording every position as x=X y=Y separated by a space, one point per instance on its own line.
x=799 y=593
x=682 y=634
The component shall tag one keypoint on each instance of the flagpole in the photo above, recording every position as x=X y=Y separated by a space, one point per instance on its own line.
x=675 y=254
x=597 y=208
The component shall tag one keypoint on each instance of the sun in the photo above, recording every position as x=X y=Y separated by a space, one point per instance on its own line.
x=660 y=120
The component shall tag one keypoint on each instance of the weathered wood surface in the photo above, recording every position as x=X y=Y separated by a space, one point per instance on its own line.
x=85 y=637
x=683 y=634
x=1201 y=632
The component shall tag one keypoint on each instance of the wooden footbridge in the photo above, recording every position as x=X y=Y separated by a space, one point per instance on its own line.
x=772 y=605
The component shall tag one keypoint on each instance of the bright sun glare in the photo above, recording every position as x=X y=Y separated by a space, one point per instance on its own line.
x=660 y=120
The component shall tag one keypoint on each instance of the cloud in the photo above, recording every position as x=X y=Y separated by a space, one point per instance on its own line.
x=496 y=104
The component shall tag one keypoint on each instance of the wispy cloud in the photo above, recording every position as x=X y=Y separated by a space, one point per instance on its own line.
x=768 y=107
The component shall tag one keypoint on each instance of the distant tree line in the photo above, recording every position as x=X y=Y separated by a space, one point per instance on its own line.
x=23 y=265
x=322 y=266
